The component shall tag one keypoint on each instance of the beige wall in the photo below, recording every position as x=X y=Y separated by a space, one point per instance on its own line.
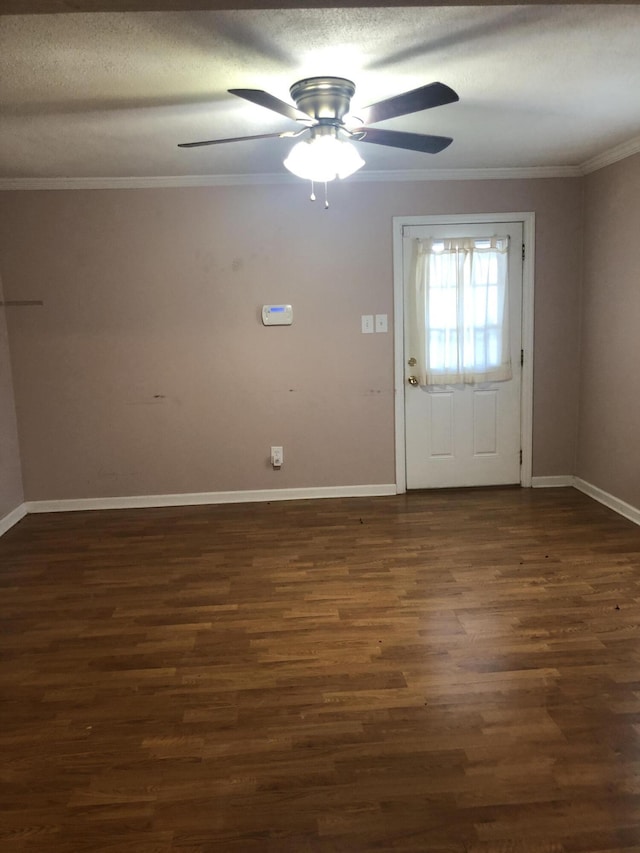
x=10 y=475
x=148 y=371
x=609 y=426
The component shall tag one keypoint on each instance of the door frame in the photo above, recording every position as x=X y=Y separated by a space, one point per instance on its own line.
x=528 y=221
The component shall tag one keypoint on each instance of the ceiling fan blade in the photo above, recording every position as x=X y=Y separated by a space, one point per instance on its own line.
x=264 y=99
x=400 y=139
x=239 y=139
x=423 y=98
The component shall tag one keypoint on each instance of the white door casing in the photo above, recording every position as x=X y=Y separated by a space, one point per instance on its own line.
x=472 y=435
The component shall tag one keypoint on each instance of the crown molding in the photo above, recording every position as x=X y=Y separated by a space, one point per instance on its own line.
x=606 y=158
x=141 y=183
x=168 y=181
x=613 y=155
x=35 y=7
x=493 y=174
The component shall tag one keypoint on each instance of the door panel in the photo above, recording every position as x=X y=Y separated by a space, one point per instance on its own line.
x=466 y=435
x=441 y=425
x=485 y=423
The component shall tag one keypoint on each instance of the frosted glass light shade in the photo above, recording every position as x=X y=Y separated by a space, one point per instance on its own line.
x=323 y=158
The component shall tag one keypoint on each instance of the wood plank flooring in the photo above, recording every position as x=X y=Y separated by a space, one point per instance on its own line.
x=450 y=671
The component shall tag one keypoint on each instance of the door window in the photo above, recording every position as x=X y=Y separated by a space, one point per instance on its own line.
x=460 y=333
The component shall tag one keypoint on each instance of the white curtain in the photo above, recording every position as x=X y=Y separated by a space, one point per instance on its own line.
x=459 y=313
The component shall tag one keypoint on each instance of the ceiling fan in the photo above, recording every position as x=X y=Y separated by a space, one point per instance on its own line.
x=322 y=110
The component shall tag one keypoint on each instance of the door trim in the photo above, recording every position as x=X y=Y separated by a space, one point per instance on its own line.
x=528 y=268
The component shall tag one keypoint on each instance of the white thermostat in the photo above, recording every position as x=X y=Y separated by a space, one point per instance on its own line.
x=277 y=315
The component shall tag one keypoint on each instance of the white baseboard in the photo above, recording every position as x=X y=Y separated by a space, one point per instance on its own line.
x=556 y=482
x=199 y=498
x=12 y=518
x=617 y=505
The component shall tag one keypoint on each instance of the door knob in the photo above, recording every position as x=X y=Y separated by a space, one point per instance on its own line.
x=412 y=380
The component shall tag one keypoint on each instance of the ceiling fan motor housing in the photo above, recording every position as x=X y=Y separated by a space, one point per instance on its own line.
x=323 y=97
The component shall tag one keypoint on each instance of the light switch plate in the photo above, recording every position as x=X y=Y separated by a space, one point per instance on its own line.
x=381 y=323
x=367 y=324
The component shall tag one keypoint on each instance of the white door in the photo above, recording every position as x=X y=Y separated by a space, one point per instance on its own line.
x=465 y=434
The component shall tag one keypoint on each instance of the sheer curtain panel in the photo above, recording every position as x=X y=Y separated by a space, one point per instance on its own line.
x=459 y=319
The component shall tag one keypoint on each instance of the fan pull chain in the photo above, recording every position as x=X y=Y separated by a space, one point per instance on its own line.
x=326 y=195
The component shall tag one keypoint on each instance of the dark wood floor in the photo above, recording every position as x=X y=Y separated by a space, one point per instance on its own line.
x=449 y=671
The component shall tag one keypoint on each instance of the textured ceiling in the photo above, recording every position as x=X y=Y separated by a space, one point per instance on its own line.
x=111 y=94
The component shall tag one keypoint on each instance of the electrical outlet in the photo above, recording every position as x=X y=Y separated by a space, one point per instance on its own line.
x=277 y=457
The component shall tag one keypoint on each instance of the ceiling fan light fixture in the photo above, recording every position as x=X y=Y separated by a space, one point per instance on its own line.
x=323 y=158
x=322 y=107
